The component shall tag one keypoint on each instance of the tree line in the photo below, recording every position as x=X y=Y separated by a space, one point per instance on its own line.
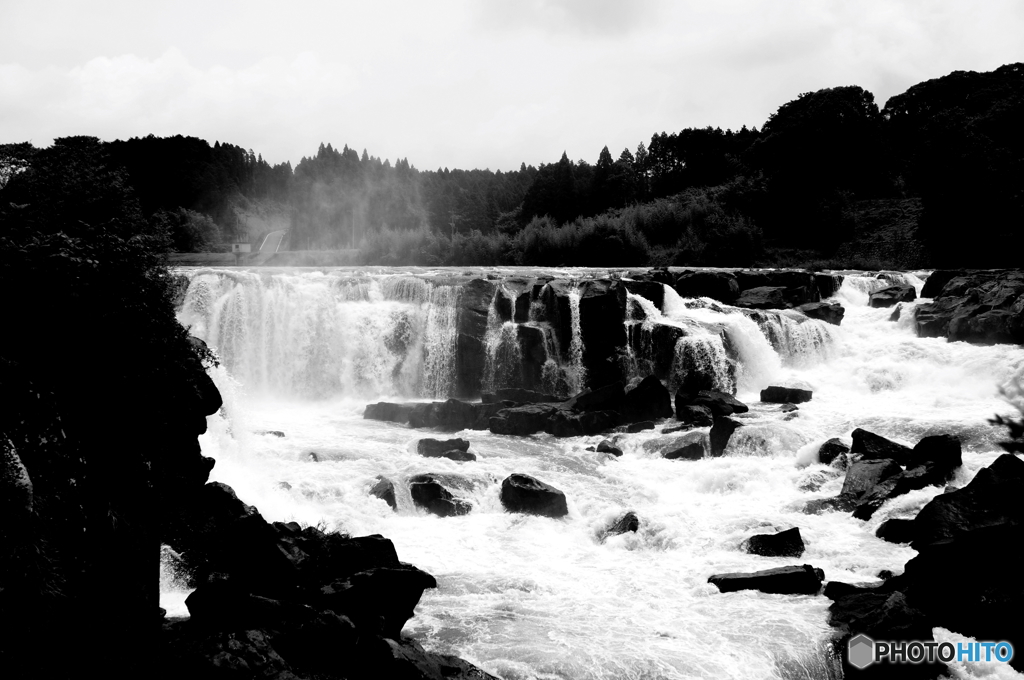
x=700 y=196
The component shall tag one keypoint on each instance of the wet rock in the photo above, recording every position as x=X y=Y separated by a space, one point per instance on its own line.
x=785 y=395
x=896 y=530
x=569 y=424
x=833 y=504
x=434 y=447
x=721 y=286
x=406 y=659
x=606 y=446
x=384 y=489
x=870 y=446
x=887 y=297
x=523 y=420
x=394 y=413
x=429 y=492
x=720 y=434
x=649 y=400
x=719 y=403
x=694 y=416
x=832 y=451
x=628 y=522
x=522 y=396
x=470 y=351
x=633 y=428
x=827 y=285
x=650 y=290
x=792 y=580
x=789 y=408
x=786 y=543
x=692 y=451
x=608 y=398
x=797 y=286
x=277 y=433
x=865 y=475
x=944 y=451
x=763 y=297
x=995 y=496
x=523 y=493
x=984 y=307
x=829 y=312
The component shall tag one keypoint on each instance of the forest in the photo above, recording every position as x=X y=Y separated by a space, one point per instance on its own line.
x=933 y=178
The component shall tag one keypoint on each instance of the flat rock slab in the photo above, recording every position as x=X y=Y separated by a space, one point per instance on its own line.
x=793 y=580
x=785 y=395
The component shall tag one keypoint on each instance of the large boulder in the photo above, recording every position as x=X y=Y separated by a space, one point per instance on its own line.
x=691 y=451
x=523 y=420
x=763 y=297
x=695 y=416
x=865 y=475
x=896 y=530
x=649 y=400
x=887 y=297
x=833 y=452
x=720 y=434
x=829 y=312
x=523 y=493
x=523 y=396
x=870 y=446
x=721 y=286
x=610 y=397
x=793 y=580
x=429 y=492
x=719 y=403
x=983 y=307
x=394 y=413
x=785 y=395
x=453 y=449
x=786 y=543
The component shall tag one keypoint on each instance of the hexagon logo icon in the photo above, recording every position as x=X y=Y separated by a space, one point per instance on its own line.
x=860 y=651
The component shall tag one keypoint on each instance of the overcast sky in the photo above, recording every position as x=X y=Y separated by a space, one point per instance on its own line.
x=464 y=84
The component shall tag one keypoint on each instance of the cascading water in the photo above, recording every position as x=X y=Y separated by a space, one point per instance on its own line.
x=576 y=376
x=530 y=597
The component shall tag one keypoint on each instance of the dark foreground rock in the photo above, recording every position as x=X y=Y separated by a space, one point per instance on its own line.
x=384 y=489
x=523 y=493
x=794 y=580
x=871 y=446
x=718 y=403
x=833 y=452
x=786 y=543
x=691 y=451
x=721 y=433
x=453 y=449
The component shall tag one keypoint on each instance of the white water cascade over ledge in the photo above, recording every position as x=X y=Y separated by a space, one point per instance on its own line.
x=303 y=352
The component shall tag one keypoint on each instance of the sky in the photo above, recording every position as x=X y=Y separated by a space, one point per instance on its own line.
x=455 y=83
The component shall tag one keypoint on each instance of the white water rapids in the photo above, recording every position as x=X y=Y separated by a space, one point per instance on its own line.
x=303 y=352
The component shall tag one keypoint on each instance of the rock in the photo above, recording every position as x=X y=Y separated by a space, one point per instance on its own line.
x=453 y=449
x=865 y=475
x=789 y=408
x=832 y=451
x=277 y=433
x=650 y=290
x=827 y=285
x=944 y=451
x=785 y=395
x=606 y=446
x=523 y=420
x=568 y=424
x=628 y=522
x=523 y=493
x=695 y=416
x=608 y=398
x=719 y=403
x=384 y=489
x=937 y=280
x=721 y=286
x=693 y=451
x=394 y=413
x=763 y=297
x=384 y=596
x=427 y=447
x=896 y=530
x=871 y=446
x=649 y=400
x=470 y=351
x=720 y=434
x=782 y=544
x=984 y=307
x=429 y=492
x=797 y=287
x=405 y=659
x=633 y=428
x=995 y=496
x=793 y=580
x=521 y=396
x=829 y=312
x=887 y=297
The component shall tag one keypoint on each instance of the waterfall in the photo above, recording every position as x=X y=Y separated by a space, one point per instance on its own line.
x=318 y=335
x=576 y=373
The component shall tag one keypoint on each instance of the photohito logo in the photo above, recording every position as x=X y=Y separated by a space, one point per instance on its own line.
x=862 y=651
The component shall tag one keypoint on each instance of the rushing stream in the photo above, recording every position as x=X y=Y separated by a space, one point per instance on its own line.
x=303 y=352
